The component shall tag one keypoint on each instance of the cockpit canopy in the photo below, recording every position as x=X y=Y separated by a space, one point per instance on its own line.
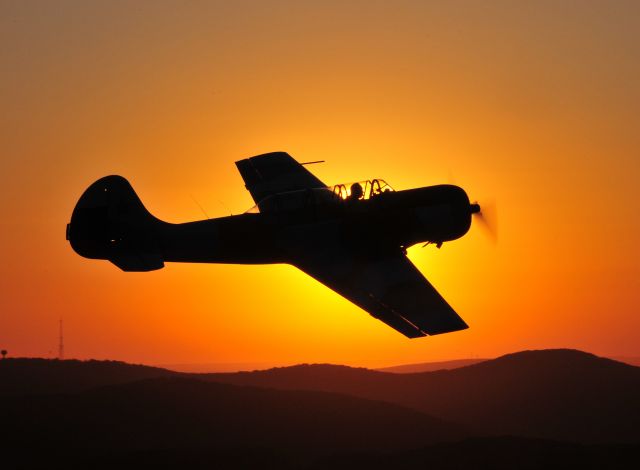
x=367 y=189
x=297 y=200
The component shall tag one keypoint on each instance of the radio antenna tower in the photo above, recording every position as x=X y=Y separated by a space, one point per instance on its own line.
x=61 y=344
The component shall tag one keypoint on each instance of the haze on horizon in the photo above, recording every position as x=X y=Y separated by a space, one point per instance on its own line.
x=533 y=106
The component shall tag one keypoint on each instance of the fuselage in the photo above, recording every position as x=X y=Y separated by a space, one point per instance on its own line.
x=110 y=222
x=289 y=224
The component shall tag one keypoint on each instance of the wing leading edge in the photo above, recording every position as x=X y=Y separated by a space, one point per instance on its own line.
x=390 y=288
x=273 y=173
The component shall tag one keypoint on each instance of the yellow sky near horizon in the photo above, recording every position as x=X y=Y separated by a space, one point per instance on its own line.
x=534 y=106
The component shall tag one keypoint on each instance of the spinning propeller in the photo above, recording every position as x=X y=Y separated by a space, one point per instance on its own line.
x=487 y=217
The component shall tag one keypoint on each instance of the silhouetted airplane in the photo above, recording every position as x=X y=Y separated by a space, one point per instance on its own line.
x=352 y=238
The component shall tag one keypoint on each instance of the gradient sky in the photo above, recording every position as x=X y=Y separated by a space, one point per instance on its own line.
x=533 y=106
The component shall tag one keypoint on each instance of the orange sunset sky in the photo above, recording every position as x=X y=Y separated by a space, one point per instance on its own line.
x=533 y=105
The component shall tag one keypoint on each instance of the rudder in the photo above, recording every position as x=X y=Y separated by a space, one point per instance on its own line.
x=110 y=222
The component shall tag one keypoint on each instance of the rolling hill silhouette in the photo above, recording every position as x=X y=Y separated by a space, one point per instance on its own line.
x=554 y=394
x=153 y=415
x=36 y=376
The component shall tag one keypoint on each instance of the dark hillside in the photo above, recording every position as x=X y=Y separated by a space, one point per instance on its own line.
x=185 y=414
x=556 y=394
x=35 y=376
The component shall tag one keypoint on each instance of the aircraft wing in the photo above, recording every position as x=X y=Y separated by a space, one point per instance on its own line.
x=273 y=173
x=390 y=288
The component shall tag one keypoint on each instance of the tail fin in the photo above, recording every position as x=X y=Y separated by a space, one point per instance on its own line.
x=110 y=222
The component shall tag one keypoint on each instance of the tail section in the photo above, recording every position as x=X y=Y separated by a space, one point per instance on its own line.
x=110 y=222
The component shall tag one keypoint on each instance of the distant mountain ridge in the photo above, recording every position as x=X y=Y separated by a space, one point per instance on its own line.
x=227 y=367
x=456 y=363
x=430 y=366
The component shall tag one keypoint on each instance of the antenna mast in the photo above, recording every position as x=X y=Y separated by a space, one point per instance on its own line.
x=61 y=344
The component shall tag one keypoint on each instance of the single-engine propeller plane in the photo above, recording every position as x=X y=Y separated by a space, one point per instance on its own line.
x=352 y=238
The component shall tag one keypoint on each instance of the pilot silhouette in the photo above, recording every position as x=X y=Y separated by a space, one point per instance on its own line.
x=356 y=191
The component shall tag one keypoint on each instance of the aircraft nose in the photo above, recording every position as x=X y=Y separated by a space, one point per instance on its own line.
x=474 y=208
